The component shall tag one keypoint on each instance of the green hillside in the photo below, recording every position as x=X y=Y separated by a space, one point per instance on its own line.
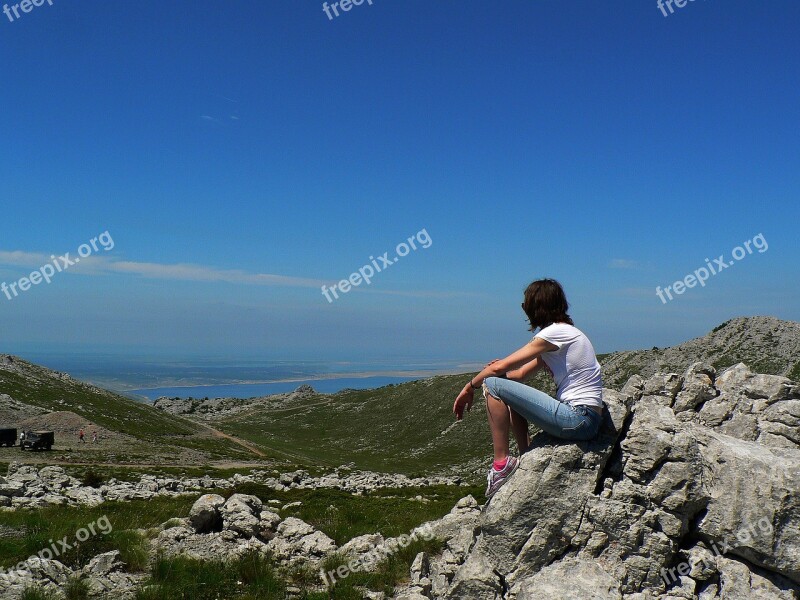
x=139 y=431
x=406 y=428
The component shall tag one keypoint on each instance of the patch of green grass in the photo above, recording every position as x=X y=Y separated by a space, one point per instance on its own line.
x=794 y=373
x=133 y=550
x=45 y=389
x=76 y=589
x=251 y=576
x=39 y=529
x=254 y=576
x=38 y=386
x=36 y=593
x=341 y=515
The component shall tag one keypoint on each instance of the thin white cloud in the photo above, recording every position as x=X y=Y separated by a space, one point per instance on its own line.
x=226 y=98
x=192 y=272
x=99 y=265
x=104 y=265
x=623 y=263
x=23 y=259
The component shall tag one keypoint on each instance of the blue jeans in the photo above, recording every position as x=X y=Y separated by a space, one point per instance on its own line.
x=556 y=418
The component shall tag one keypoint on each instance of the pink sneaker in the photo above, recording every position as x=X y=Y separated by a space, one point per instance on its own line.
x=496 y=479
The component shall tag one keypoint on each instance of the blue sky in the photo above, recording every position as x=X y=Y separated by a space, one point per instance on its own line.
x=240 y=154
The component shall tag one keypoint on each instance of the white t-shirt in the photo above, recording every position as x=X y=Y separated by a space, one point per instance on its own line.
x=574 y=365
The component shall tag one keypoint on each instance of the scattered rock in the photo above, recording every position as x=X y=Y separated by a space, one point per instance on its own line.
x=297 y=541
x=241 y=514
x=204 y=515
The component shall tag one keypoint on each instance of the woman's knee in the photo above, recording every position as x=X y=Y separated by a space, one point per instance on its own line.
x=491 y=387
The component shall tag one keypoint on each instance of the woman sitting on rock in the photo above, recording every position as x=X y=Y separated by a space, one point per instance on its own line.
x=567 y=354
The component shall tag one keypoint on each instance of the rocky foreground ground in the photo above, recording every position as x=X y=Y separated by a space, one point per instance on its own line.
x=28 y=487
x=692 y=491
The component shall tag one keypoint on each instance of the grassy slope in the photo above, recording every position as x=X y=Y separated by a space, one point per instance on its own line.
x=157 y=432
x=397 y=428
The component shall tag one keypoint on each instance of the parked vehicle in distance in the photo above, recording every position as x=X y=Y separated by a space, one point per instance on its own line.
x=8 y=436
x=38 y=440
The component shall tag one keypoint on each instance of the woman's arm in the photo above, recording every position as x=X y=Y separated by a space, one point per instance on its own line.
x=526 y=370
x=523 y=356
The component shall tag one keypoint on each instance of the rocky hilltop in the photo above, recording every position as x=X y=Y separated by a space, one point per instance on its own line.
x=766 y=344
x=209 y=409
x=691 y=491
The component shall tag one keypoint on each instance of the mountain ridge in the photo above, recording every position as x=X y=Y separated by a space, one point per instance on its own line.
x=766 y=344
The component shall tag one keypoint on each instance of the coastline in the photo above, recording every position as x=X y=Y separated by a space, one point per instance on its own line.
x=325 y=384
x=416 y=374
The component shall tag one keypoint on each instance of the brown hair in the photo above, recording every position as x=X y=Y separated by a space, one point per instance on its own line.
x=546 y=303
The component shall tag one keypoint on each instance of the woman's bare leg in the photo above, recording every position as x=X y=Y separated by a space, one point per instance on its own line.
x=500 y=424
x=519 y=425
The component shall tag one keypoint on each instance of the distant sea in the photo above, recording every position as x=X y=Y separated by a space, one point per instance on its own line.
x=147 y=378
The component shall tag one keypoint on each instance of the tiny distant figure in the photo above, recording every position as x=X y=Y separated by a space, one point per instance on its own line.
x=22 y=438
x=82 y=436
x=94 y=437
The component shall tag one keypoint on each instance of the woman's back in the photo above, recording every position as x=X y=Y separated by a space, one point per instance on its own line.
x=574 y=365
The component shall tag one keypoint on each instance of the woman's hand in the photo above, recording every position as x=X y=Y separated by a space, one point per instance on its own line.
x=464 y=400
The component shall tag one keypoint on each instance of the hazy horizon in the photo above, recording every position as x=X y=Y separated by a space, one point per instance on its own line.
x=138 y=373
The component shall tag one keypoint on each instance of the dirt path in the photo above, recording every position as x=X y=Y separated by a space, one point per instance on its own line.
x=238 y=441
x=248 y=445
